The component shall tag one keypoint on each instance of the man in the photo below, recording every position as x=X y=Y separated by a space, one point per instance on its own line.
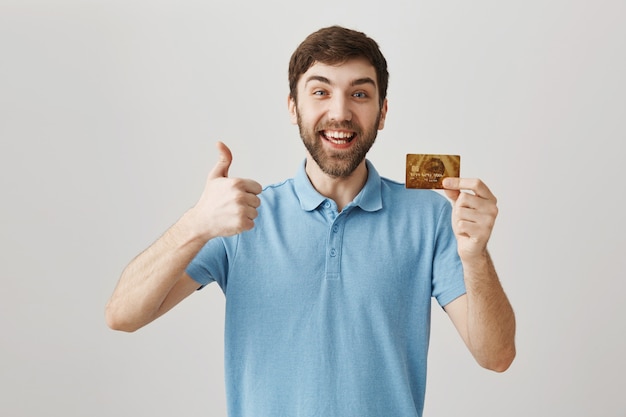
x=328 y=276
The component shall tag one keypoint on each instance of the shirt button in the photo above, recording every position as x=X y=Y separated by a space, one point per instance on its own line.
x=335 y=228
x=327 y=204
x=333 y=252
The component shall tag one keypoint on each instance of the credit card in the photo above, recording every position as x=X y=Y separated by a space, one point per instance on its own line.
x=427 y=171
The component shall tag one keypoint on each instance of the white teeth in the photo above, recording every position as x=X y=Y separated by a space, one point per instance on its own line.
x=338 y=137
x=337 y=141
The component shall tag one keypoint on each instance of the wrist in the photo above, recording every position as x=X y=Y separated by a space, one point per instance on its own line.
x=189 y=230
x=476 y=261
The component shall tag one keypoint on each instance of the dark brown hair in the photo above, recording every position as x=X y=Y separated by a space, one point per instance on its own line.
x=334 y=45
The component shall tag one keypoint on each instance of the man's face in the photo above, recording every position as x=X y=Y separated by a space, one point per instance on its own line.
x=338 y=114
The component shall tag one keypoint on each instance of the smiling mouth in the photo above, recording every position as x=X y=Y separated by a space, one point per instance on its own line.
x=338 y=137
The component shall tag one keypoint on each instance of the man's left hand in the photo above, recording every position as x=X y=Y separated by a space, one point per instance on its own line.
x=473 y=214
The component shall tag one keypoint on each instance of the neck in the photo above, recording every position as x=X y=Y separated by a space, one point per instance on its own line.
x=341 y=190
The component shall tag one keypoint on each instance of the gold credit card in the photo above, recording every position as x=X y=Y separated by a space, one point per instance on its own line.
x=427 y=171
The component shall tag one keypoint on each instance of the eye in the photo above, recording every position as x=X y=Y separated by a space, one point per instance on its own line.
x=319 y=93
x=360 y=94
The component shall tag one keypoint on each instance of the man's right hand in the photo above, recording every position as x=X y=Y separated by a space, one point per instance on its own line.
x=227 y=206
x=155 y=281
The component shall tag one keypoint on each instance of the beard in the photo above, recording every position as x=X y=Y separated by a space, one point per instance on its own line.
x=339 y=163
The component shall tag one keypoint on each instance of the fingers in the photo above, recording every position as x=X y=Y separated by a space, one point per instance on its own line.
x=251 y=186
x=248 y=192
x=223 y=163
x=474 y=208
x=473 y=214
x=468 y=217
x=228 y=205
x=453 y=186
x=479 y=197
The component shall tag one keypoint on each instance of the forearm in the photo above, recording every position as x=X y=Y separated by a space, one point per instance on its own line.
x=149 y=278
x=490 y=317
x=155 y=281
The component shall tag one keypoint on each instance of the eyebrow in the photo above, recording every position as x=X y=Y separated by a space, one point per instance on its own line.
x=358 y=81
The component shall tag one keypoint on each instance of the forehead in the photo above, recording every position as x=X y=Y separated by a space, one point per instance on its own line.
x=344 y=73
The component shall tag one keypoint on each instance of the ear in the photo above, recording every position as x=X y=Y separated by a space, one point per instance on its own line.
x=293 y=110
x=383 y=115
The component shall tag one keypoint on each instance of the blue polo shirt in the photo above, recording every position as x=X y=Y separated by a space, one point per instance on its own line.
x=327 y=312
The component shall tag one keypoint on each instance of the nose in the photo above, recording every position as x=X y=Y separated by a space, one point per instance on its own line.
x=339 y=109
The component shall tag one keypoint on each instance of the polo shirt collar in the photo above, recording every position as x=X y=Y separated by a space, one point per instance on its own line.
x=368 y=199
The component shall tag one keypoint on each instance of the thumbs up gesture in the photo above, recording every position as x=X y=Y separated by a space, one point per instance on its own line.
x=227 y=205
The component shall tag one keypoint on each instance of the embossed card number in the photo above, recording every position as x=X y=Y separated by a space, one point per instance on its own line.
x=427 y=171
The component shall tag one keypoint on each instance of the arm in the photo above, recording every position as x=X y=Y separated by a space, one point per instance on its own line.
x=155 y=281
x=484 y=317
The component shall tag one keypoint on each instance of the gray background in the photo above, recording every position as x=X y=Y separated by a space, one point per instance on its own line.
x=109 y=112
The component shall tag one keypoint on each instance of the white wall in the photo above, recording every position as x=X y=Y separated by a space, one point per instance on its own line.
x=109 y=111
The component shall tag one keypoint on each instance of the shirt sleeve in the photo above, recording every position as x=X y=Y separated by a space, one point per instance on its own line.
x=210 y=264
x=447 y=283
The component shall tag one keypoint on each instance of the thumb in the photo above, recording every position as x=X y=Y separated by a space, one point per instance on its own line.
x=452 y=194
x=225 y=158
x=450 y=187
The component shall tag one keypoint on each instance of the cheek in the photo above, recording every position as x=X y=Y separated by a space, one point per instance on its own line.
x=307 y=119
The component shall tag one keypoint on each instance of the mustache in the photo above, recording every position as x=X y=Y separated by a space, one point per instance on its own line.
x=345 y=125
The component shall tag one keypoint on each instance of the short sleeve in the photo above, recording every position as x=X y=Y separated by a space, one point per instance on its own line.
x=210 y=264
x=448 y=283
